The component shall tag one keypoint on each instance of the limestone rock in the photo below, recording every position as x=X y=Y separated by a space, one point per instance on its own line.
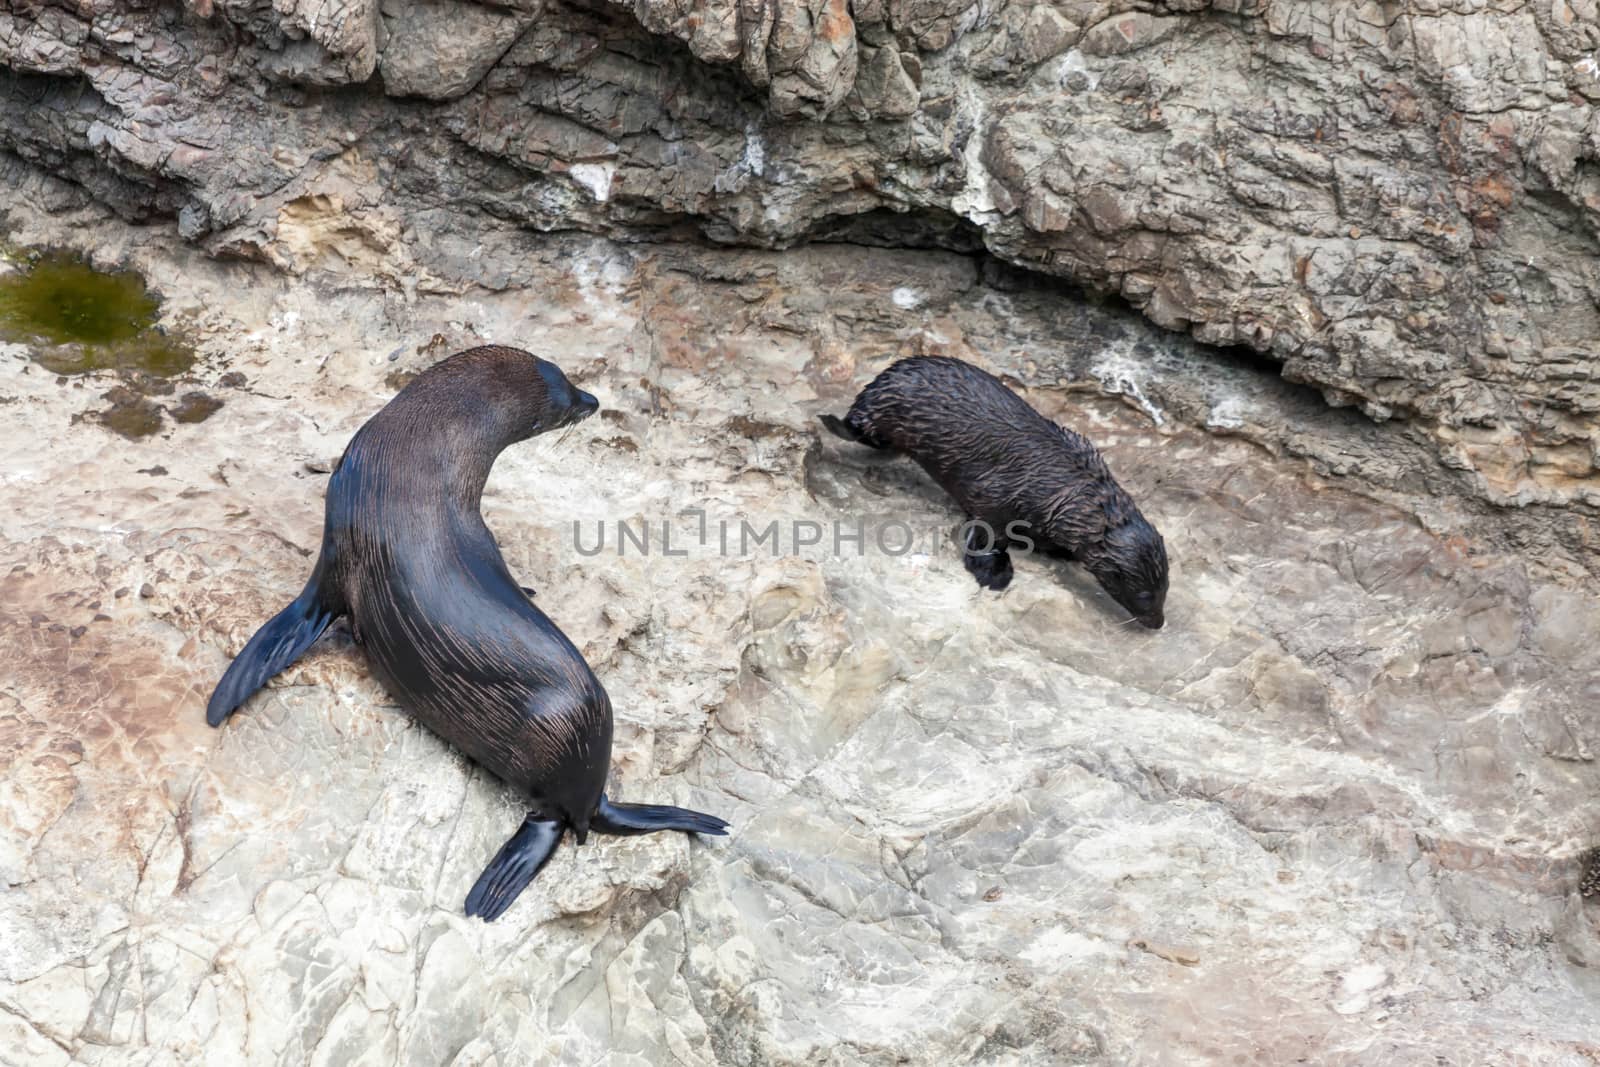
x=1336 y=811
x=439 y=49
x=1398 y=204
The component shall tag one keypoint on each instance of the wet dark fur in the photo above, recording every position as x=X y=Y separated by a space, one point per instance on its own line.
x=1005 y=463
x=407 y=557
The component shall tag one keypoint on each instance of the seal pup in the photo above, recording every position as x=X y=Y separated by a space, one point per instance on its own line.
x=407 y=557
x=1009 y=466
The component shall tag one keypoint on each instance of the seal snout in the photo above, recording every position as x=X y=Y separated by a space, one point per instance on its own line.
x=579 y=407
x=582 y=406
x=1152 y=622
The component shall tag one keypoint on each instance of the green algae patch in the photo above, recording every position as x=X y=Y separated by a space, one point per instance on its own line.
x=76 y=319
x=73 y=320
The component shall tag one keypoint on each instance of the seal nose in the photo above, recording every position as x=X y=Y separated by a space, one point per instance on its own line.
x=1153 y=622
x=586 y=404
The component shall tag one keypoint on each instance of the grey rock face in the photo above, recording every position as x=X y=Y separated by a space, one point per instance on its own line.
x=439 y=50
x=1333 y=812
x=1397 y=203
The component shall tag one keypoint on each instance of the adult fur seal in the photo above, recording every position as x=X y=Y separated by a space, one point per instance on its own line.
x=1007 y=464
x=406 y=555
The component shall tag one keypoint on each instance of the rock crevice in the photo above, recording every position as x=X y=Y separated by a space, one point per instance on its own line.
x=1399 y=203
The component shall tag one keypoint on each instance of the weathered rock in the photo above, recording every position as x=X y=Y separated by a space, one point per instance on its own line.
x=441 y=48
x=1334 y=811
x=307 y=42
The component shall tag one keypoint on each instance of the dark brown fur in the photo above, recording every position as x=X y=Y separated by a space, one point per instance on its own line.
x=406 y=555
x=1007 y=465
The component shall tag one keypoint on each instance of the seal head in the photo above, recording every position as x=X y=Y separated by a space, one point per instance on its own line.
x=1130 y=563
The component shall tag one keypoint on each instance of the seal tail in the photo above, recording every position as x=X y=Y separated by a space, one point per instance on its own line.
x=516 y=864
x=629 y=819
x=275 y=646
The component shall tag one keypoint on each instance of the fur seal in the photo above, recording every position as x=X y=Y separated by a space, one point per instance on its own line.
x=1006 y=464
x=407 y=557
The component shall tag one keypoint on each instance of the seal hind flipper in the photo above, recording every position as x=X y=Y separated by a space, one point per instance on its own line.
x=516 y=864
x=842 y=428
x=628 y=819
x=275 y=646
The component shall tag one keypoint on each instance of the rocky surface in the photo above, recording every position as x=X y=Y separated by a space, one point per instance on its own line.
x=1333 y=812
x=1397 y=203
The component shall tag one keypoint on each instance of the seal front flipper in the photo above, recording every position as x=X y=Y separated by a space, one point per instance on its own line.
x=627 y=819
x=991 y=566
x=275 y=646
x=514 y=866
